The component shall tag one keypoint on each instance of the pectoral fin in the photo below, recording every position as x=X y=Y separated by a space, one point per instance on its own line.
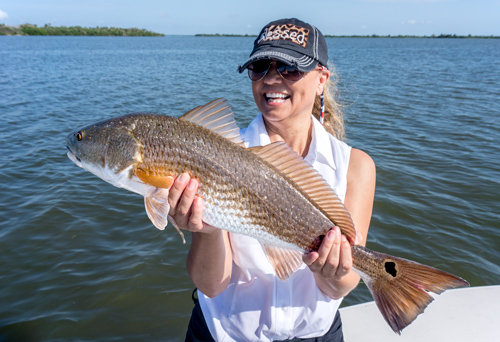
x=164 y=182
x=285 y=261
x=157 y=208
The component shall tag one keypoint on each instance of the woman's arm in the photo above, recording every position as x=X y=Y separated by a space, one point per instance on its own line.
x=332 y=264
x=210 y=259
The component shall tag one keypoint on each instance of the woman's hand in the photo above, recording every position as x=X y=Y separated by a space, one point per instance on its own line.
x=333 y=259
x=332 y=264
x=185 y=207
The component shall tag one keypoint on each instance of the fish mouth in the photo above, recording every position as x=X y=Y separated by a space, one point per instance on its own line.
x=73 y=157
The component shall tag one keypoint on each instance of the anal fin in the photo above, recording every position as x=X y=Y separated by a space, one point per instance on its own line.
x=157 y=208
x=285 y=261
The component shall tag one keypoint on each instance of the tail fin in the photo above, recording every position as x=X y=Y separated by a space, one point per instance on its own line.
x=399 y=286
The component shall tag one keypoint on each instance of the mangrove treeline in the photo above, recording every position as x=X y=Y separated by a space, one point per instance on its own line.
x=48 y=30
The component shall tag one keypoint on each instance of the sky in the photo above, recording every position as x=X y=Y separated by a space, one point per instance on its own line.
x=334 y=17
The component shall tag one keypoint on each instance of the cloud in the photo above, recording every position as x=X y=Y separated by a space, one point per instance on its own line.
x=414 y=22
x=3 y=15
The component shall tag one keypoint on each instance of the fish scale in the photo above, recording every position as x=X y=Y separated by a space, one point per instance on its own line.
x=268 y=193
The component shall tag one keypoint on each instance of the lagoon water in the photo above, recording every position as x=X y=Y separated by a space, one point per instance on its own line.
x=79 y=259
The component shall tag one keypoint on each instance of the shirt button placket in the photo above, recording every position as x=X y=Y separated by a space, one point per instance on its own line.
x=283 y=307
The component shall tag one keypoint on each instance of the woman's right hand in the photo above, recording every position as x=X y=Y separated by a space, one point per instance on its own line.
x=185 y=207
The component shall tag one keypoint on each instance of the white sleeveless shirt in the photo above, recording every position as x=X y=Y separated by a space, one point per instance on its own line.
x=257 y=305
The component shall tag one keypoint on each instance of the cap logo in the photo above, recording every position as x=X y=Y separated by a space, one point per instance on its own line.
x=289 y=32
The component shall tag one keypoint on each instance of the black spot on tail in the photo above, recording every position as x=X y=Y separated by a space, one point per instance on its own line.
x=390 y=267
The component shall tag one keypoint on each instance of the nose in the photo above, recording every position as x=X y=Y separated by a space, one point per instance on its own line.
x=272 y=76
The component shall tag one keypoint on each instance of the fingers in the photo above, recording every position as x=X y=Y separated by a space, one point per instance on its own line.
x=185 y=208
x=176 y=192
x=310 y=258
x=187 y=198
x=359 y=240
x=195 y=220
x=333 y=258
x=345 y=258
x=329 y=253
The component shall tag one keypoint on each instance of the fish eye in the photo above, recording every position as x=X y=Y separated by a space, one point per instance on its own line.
x=79 y=136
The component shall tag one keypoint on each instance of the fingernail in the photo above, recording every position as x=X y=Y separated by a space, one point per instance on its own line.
x=184 y=177
x=199 y=201
x=344 y=239
x=331 y=235
x=192 y=184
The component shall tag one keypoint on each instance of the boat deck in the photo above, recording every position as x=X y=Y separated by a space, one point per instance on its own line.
x=468 y=314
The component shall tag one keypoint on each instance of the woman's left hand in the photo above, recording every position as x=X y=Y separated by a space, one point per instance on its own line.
x=333 y=260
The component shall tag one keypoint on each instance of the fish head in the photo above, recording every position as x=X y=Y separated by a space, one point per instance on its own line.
x=108 y=149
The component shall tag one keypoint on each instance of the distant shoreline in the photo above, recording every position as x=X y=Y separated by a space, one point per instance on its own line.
x=48 y=30
x=358 y=36
x=223 y=35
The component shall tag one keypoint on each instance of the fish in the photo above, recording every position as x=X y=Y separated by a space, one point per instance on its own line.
x=267 y=192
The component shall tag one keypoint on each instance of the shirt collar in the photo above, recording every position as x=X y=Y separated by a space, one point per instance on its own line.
x=256 y=133
x=320 y=149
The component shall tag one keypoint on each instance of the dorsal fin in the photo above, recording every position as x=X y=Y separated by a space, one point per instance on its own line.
x=218 y=117
x=281 y=156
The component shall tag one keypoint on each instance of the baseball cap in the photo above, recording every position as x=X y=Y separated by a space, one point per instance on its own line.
x=292 y=42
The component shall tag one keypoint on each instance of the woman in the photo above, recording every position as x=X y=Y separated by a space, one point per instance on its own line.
x=240 y=296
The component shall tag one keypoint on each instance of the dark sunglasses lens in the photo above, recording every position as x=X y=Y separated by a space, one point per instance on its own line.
x=258 y=69
x=260 y=66
x=289 y=72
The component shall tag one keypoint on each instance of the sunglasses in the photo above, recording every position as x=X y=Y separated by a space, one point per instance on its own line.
x=257 y=70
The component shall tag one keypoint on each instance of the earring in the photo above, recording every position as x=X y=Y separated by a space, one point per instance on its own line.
x=322 y=117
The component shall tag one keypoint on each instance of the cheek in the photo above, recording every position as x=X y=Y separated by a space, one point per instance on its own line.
x=307 y=90
x=256 y=94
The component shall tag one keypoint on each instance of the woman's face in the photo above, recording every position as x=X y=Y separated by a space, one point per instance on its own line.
x=280 y=99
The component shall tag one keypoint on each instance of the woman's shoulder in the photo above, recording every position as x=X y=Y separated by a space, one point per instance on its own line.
x=361 y=165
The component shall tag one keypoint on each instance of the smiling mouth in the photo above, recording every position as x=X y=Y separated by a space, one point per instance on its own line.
x=276 y=97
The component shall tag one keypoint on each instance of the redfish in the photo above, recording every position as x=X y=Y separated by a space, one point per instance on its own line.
x=269 y=193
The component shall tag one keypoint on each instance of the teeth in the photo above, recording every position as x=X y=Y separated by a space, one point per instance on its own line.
x=276 y=96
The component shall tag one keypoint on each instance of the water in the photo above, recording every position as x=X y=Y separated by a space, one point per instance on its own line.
x=79 y=259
